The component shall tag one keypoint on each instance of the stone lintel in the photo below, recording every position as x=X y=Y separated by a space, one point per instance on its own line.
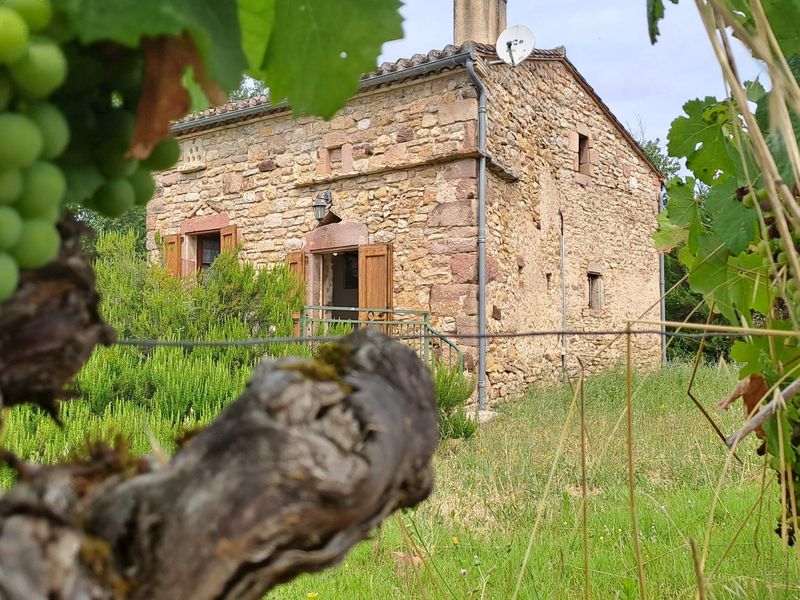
x=336 y=235
x=207 y=223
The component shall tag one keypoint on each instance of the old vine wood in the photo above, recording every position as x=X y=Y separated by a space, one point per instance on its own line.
x=311 y=457
x=315 y=453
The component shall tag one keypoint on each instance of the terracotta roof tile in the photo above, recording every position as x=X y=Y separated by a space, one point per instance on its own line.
x=486 y=51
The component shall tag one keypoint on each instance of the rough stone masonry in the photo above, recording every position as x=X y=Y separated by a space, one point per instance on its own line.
x=400 y=161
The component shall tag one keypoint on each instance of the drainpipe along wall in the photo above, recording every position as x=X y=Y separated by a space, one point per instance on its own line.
x=662 y=205
x=482 y=127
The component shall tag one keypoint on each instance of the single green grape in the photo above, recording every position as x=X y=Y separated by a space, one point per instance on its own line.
x=112 y=162
x=9 y=276
x=37 y=13
x=144 y=185
x=22 y=141
x=82 y=182
x=117 y=126
x=54 y=127
x=41 y=71
x=44 y=189
x=38 y=244
x=14 y=35
x=11 y=182
x=6 y=90
x=749 y=200
x=164 y=155
x=114 y=198
x=10 y=227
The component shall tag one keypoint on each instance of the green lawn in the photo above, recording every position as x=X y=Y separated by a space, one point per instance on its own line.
x=471 y=536
x=473 y=533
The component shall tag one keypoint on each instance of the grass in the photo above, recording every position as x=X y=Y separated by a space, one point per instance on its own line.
x=469 y=540
x=472 y=535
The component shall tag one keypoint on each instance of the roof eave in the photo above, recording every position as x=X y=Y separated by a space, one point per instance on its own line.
x=369 y=82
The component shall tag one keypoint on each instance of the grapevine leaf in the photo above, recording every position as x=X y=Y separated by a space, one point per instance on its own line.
x=198 y=101
x=682 y=206
x=731 y=221
x=700 y=137
x=319 y=49
x=752 y=390
x=164 y=97
x=256 y=18
x=655 y=12
x=755 y=90
x=783 y=16
x=709 y=271
x=212 y=25
x=668 y=235
x=748 y=281
x=753 y=355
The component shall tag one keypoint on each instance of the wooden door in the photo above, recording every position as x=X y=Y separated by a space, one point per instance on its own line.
x=172 y=253
x=375 y=281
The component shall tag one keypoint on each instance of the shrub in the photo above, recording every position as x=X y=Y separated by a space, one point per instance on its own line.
x=453 y=388
x=231 y=301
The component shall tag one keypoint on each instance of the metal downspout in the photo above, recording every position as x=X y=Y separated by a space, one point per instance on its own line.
x=482 y=102
x=564 y=324
x=662 y=205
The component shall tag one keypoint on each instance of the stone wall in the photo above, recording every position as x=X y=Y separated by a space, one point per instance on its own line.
x=538 y=115
x=401 y=163
x=399 y=160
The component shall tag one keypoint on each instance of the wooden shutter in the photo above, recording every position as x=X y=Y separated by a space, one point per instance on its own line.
x=296 y=261
x=172 y=253
x=375 y=279
x=228 y=238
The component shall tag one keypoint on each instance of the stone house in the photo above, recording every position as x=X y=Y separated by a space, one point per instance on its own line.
x=533 y=214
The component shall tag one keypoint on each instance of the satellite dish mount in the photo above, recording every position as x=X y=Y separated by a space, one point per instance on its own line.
x=515 y=44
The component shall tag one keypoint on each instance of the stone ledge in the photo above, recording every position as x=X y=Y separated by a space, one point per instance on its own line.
x=436 y=160
x=501 y=171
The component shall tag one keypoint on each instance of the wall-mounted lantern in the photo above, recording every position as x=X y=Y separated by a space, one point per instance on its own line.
x=322 y=204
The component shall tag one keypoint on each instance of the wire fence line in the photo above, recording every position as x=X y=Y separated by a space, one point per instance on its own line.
x=151 y=343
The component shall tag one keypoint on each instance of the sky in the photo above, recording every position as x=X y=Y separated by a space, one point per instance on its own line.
x=645 y=86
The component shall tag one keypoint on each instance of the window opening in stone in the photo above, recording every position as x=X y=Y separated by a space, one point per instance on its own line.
x=583 y=154
x=344 y=283
x=595 y=290
x=208 y=248
x=335 y=155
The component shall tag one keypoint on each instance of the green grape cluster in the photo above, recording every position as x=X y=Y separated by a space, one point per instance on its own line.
x=67 y=117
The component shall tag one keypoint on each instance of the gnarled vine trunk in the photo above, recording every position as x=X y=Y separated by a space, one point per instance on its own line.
x=303 y=465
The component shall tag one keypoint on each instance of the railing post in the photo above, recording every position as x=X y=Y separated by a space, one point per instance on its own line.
x=426 y=339
x=303 y=323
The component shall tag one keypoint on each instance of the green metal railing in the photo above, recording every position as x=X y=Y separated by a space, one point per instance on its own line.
x=412 y=327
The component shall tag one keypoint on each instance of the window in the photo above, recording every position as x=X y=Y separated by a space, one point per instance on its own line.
x=584 y=166
x=595 y=290
x=199 y=242
x=335 y=156
x=209 y=246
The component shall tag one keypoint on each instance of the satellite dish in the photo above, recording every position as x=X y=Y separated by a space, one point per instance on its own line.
x=515 y=44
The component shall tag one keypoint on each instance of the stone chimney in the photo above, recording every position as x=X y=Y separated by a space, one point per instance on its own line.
x=478 y=20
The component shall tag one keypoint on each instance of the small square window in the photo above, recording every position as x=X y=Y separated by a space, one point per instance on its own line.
x=335 y=157
x=595 y=290
x=584 y=166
